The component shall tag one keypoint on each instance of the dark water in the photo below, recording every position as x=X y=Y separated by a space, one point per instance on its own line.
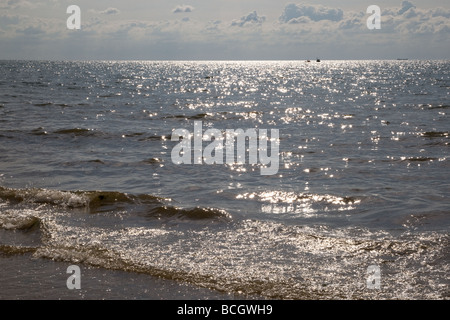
x=86 y=174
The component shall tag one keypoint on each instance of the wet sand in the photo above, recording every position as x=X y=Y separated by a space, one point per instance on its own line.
x=27 y=278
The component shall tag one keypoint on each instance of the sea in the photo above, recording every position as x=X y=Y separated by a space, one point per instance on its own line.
x=356 y=206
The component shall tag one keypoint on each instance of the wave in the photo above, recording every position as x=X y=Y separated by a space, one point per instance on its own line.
x=19 y=219
x=194 y=213
x=154 y=138
x=198 y=116
x=217 y=116
x=436 y=106
x=418 y=159
x=263 y=258
x=43 y=196
x=12 y=250
x=435 y=134
x=285 y=197
x=39 y=132
x=85 y=132
x=152 y=161
x=43 y=104
x=77 y=132
x=99 y=202
x=251 y=257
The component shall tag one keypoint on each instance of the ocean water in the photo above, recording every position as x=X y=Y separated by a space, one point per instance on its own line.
x=87 y=175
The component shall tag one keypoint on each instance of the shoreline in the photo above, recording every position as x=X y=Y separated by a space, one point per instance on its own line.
x=27 y=278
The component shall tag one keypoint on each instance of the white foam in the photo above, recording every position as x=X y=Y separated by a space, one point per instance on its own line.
x=56 y=197
x=18 y=219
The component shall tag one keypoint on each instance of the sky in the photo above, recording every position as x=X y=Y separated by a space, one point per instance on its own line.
x=224 y=30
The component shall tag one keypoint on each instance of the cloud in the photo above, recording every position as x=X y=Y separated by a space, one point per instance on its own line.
x=26 y=4
x=406 y=5
x=410 y=13
x=353 y=22
x=250 y=19
x=440 y=12
x=110 y=11
x=295 y=13
x=410 y=20
x=183 y=9
x=297 y=31
x=33 y=30
x=7 y=19
x=12 y=4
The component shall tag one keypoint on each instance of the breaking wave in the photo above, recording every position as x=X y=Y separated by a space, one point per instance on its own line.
x=141 y=233
x=100 y=202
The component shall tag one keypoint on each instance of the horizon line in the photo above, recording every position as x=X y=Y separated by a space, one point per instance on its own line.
x=227 y=60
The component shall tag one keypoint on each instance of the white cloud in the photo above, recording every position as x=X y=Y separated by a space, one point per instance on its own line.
x=7 y=19
x=110 y=11
x=300 y=31
x=406 y=5
x=31 y=30
x=14 y=4
x=183 y=9
x=440 y=12
x=295 y=13
x=356 y=22
x=410 y=20
x=25 y=4
x=250 y=19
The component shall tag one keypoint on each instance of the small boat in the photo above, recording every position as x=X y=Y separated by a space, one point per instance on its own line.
x=318 y=60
